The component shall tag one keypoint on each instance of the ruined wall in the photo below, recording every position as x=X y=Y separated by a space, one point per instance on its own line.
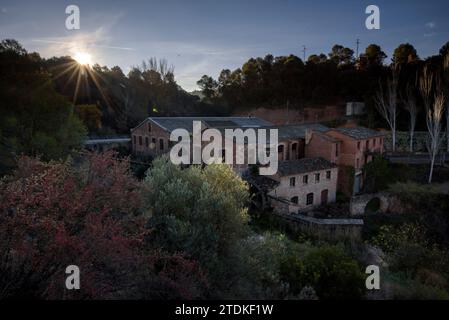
x=297 y=116
x=358 y=203
x=321 y=147
x=325 y=229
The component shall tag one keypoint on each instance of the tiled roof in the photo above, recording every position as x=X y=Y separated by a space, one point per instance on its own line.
x=295 y=131
x=359 y=132
x=262 y=182
x=303 y=165
x=172 y=123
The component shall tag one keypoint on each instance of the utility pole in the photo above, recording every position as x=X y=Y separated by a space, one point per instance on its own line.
x=304 y=53
x=357 y=51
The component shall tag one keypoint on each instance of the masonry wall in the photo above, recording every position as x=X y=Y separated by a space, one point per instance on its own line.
x=325 y=229
x=321 y=147
x=352 y=151
x=146 y=140
x=281 y=116
x=301 y=190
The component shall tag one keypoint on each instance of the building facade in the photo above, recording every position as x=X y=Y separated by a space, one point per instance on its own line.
x=348 y=148
x=303 y=185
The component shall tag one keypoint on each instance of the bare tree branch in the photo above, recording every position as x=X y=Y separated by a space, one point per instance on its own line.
x=386 y=104
x=411 y=107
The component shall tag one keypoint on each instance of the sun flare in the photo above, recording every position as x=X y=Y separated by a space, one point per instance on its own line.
x=83 y=58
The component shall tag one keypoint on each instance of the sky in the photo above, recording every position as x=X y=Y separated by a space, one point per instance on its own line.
x=203 y=37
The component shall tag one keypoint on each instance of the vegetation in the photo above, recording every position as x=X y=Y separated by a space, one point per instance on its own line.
x=35 y=118
x=186 y=233
x=178 y=234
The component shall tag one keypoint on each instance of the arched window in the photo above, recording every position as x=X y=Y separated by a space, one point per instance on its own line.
x=294 y=200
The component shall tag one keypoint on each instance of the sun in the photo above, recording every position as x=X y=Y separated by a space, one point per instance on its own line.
x=83 y=58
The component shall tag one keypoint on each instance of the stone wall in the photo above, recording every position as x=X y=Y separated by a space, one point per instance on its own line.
x=325 y=229
x=297 y=116
x=419 y=141
x=358 y=203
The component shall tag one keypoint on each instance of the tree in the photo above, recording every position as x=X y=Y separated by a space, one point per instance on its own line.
x=200 y=212
x=386 y=104
x=208 y=86
x=433 y=121
x=40 y=122
x=444 y=51
x=378 y=175
x=405 y=53
x=434 y=114
x=316 y=59
x=374 y=55
x=90 y=114
x=411 y=107
x=446 y=84
x=341 y=55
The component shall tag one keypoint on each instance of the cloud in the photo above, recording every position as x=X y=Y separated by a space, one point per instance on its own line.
x=431 y=25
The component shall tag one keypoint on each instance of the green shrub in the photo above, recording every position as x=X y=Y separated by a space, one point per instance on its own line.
x=333 y=274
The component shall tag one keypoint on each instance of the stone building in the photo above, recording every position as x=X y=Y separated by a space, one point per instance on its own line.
x=348 y=148
x=303 y=184
x=152 y=136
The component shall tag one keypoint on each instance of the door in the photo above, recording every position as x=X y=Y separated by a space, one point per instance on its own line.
x=324 y=195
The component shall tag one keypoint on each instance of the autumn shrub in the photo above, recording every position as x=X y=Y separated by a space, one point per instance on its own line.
x=55 y=214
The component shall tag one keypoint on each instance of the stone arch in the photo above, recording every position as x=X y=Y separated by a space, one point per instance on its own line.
x=359 y=204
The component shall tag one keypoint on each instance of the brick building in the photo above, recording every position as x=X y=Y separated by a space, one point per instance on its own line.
x=348 y=148
x=152 y=136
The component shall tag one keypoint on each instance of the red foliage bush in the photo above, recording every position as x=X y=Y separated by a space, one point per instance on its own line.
x=56 y=214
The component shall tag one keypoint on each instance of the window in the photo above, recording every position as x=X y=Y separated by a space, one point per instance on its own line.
x=292 y=182
x=358 y=145
x=309 y=200
x=358 y=163
x=317 y=177
x=147 y=142
x=140 y=140
x=294 y=200
x=161 y=144
x=305 y=179
x=367 y=144
x=336 y=149
x=134 y=140
x=281 y=148
x=149 y=127
x=294 y=146
x=153 y=140
x=374 y=142
x=328 y=175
